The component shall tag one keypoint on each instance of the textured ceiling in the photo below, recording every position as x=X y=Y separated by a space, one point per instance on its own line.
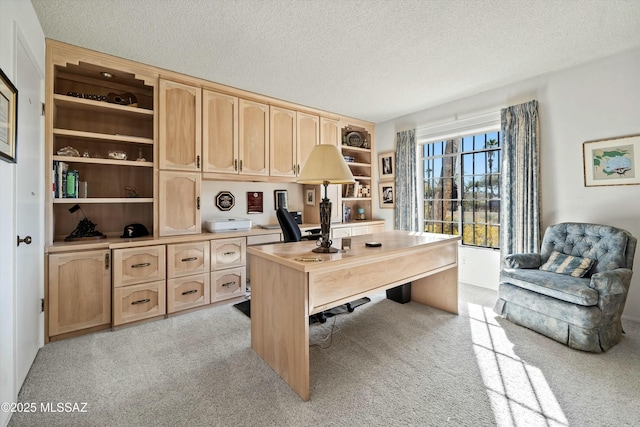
x=370 y=59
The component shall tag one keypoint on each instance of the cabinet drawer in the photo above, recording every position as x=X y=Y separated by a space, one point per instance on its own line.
x=227 y=253
x=188 y=292
x=138 y=265
x=360 y=230
x=263 y=239
x=229 y=283
x=137 y=302
x=187 y=259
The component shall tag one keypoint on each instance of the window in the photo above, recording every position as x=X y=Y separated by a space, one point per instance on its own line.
x=462 y=188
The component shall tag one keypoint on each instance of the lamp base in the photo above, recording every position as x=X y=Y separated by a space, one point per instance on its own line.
x=323 y=250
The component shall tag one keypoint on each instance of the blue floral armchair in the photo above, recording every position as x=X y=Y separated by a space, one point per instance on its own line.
x=575 y=289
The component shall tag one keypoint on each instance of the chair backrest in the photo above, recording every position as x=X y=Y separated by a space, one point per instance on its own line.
x=612 y=247
x=289 y=226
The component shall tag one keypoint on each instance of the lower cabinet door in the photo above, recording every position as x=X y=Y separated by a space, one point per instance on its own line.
x=188 y=292
x=137 y=302
x=229 y=283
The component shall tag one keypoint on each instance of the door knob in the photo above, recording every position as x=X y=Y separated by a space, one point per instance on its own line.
x=26 y=240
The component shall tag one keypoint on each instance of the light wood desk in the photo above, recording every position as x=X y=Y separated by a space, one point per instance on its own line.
x=289 y=283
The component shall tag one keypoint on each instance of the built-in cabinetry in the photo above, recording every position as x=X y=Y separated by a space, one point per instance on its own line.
x=228 y=268
x=79 y=291
x=139 y=140
x=100 y=133
x=357 y=148
x=188 y=283
x=139 y=290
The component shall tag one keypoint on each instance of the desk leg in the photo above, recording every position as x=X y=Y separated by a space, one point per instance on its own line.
x=280 y=321
x=438 y=290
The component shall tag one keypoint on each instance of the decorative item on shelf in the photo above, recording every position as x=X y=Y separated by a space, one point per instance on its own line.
x=354 y=139
x=68 y=151
x=86 y=154
x=126 y=98
x=361 y=216
x=92 y=97
x=140 y=158
x=117 y=155
x=86 y=230
x=132 y=192
x=134 y=230
x=225 y=201
x=325 y=166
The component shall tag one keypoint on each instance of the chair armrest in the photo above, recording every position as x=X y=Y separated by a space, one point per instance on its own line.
x=611 y=282
x=314 y=231
x=522 y=261
x=612 y=287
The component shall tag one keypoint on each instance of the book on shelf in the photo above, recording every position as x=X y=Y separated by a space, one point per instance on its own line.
x=66 y=181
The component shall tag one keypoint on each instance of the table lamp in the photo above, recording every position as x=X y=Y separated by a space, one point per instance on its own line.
x=325 y=166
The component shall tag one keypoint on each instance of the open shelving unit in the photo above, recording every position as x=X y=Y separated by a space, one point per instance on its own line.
x=87 y=117
x=356 y=147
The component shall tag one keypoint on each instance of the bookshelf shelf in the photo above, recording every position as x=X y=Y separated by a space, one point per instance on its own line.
x=88 y=105
x=99 y=161
x=108 y=200
x=94 y=136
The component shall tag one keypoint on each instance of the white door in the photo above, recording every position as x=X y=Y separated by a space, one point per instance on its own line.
x=29 y=214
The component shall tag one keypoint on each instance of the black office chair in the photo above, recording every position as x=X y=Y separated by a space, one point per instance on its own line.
x=291 y=232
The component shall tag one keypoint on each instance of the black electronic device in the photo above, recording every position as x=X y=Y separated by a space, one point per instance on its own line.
x=297 y=216
x=373 y=244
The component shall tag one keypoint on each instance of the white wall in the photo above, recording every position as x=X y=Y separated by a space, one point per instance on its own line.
x=17 y=15
x=593 y=101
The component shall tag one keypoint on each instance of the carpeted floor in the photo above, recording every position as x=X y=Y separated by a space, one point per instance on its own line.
x=385 y=364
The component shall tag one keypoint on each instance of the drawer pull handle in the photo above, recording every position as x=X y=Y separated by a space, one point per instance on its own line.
x=193 y=291
x=193 y=258
x=141 y=301
x=228 y=284
x=229 y=253
x=142 y=264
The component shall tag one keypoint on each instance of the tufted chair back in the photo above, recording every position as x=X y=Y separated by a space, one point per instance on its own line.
x=611 y=247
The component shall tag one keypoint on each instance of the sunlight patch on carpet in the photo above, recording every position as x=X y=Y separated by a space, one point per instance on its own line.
x=519 y=392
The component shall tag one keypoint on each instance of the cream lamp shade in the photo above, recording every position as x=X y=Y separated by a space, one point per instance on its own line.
x=325 y=165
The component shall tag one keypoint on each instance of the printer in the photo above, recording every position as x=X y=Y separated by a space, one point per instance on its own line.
x=218 y=225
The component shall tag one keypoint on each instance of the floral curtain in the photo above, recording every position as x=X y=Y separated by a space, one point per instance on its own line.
x=520 y=199
x=406 y=210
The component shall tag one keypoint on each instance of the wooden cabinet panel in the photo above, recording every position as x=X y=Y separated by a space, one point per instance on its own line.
x=138 y=302
x=227 y=253
x=188 y=292
x=308 y=137
x=340 y=232
x=138 y=265
x=179 y=203
x=219 y=133
x=229 y=283
x=187 y=258
x=180 y=123
x=79 y=291
x=379 y=228
x=253 y=118
x=329 y=131
x=283 y=141
x=359 y=230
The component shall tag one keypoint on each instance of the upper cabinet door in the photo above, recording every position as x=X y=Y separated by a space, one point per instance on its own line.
x=283 y=160
x=329 y=131
x=180 y=126
x=254 y=138
x=220 y=133
x=308 y=137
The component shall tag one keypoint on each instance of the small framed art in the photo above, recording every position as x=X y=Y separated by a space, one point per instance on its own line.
x=387 y=194
x=614 y=161
x=387 y=165
x=8 y=119
x=310 y=197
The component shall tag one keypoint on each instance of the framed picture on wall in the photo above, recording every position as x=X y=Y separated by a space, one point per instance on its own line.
x=614 y=161
x=310 y=197
x=387 y=195
x=387 y=165
x=8 y=119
